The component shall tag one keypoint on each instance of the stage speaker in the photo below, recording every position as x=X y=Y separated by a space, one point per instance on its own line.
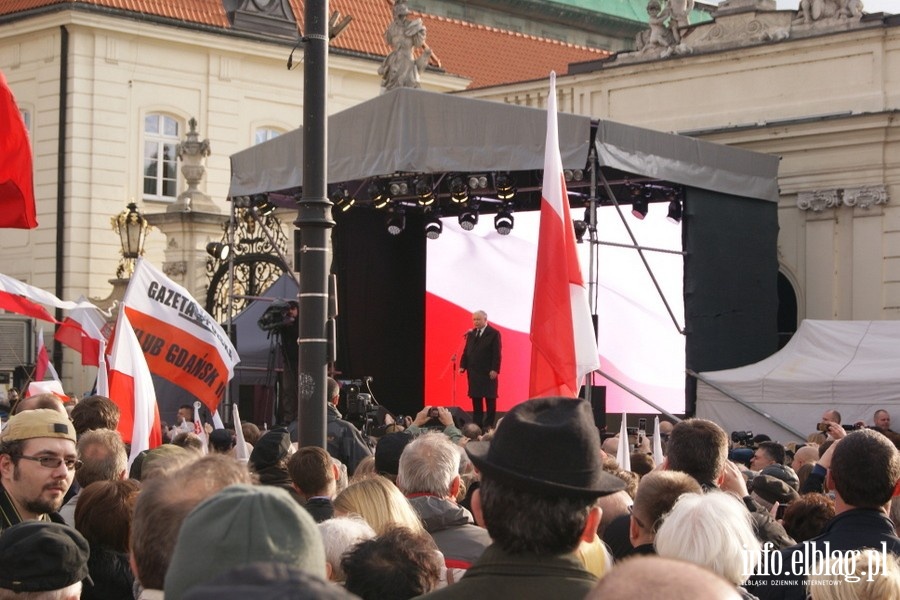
x=598 y=404
x=460 y=417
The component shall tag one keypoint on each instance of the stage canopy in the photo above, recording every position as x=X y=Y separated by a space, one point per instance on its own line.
x=408 y=131
x=849 y=366
x=387 y=154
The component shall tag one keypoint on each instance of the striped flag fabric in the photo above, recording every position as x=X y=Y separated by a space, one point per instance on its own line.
x=131 y=388
x=564 y=348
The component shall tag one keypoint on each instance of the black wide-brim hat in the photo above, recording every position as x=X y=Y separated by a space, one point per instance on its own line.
x=547 y=445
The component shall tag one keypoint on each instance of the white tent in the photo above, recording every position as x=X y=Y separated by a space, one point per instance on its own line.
x=851 y=366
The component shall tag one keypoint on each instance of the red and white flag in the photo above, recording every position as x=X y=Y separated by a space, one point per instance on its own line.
x=23 y=299
x=564 y=348
x=182 y=342
x=82 y=330
x=131 y=388
x=42 y=364
x=17 y=209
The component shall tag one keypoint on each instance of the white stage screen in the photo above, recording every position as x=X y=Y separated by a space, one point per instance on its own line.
x=480 y=269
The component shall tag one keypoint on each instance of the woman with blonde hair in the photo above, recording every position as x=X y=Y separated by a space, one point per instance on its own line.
x=380 y=503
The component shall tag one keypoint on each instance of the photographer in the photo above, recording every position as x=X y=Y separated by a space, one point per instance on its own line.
x=438 y=418
x=345 y=442
x=281 y=319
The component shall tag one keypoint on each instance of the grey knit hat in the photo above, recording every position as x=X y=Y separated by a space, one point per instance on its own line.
x=240 y=525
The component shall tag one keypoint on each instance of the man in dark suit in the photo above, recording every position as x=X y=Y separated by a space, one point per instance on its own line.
x=481 y=362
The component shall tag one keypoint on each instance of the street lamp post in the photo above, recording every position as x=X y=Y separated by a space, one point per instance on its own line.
x=132 y=227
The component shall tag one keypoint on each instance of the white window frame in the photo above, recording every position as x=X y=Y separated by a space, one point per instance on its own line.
x=160 y=140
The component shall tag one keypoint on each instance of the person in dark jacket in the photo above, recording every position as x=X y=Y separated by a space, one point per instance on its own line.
x=314 y=476
x=863 y=469
x=541 y=476
x=103 y=516
x=269 y=461
x=345 y=442
x=481 y=362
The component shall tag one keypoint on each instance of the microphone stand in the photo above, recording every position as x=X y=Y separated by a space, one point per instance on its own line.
x=453 y=380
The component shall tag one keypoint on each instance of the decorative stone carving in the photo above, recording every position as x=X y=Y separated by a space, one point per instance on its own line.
x=175 y=269
x=825 y=11
x=191 y=152
x=401 y=68
x=818 y=200
x=865 y=196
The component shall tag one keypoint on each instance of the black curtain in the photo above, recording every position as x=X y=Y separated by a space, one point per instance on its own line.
x=730 y=282
x=381 y=304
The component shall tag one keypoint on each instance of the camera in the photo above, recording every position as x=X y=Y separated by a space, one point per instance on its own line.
x=276 y=316
x=744 y=438
x=360 y=405
x=823 y=427
x=432 y=413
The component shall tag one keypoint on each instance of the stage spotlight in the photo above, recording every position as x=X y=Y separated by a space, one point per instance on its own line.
x=459 y=192
x=398 y=188
x=433 y=226
x=674 y=211
x=478 y=182
x=573 y=174
x=218 y=250
x=639 y=208
x=505 y=188
x=504 y=222
x=425 y=192
x=396 y=221
x=468 y=219
x=342 y=199
x=378 y=194
x=580 y=229
x=262 y=204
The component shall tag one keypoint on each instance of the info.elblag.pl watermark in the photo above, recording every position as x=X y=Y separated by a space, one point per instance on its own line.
x=813 y=560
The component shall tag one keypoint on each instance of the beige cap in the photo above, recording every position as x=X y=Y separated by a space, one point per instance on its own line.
x=38 y=423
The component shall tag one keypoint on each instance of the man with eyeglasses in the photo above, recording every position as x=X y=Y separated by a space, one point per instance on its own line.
x=37 y=465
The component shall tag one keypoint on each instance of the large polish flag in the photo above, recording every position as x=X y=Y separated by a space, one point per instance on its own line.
x=17 y=209
x=131 y=388
x=564 y=348
x=183 y=344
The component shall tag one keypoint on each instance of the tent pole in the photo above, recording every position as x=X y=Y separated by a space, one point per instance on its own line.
x=746 y=404
x=312 y=237
x=592 y=262
x=231 y=225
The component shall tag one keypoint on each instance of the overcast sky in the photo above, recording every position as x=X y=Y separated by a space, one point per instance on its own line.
x=869 y=6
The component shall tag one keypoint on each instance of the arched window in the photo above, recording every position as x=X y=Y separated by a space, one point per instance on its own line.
x=787 y=310
x=161 y=136
x=264 y=134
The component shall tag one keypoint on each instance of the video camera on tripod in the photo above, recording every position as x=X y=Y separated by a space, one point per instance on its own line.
x=359 y=404
x=279 y=314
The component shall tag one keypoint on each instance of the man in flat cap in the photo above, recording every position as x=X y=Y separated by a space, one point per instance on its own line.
x=38 y=558
x=541 y=476
x=37 y=465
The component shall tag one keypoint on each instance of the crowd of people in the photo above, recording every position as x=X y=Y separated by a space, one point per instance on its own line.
x=535 y=508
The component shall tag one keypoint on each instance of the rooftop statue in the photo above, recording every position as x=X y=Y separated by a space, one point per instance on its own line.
x=401 y=68
x=821 y=10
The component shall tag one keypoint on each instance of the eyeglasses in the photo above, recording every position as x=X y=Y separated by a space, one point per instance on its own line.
x=53 y=462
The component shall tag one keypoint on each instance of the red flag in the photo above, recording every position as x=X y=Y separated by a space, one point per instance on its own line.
x=42 y=364
x=82 y=330
x=131 y=388
x=564 y=348
x=16 y=184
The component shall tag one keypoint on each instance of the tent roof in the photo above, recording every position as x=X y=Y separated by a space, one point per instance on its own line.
x=851 y=366
x=415 y=131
